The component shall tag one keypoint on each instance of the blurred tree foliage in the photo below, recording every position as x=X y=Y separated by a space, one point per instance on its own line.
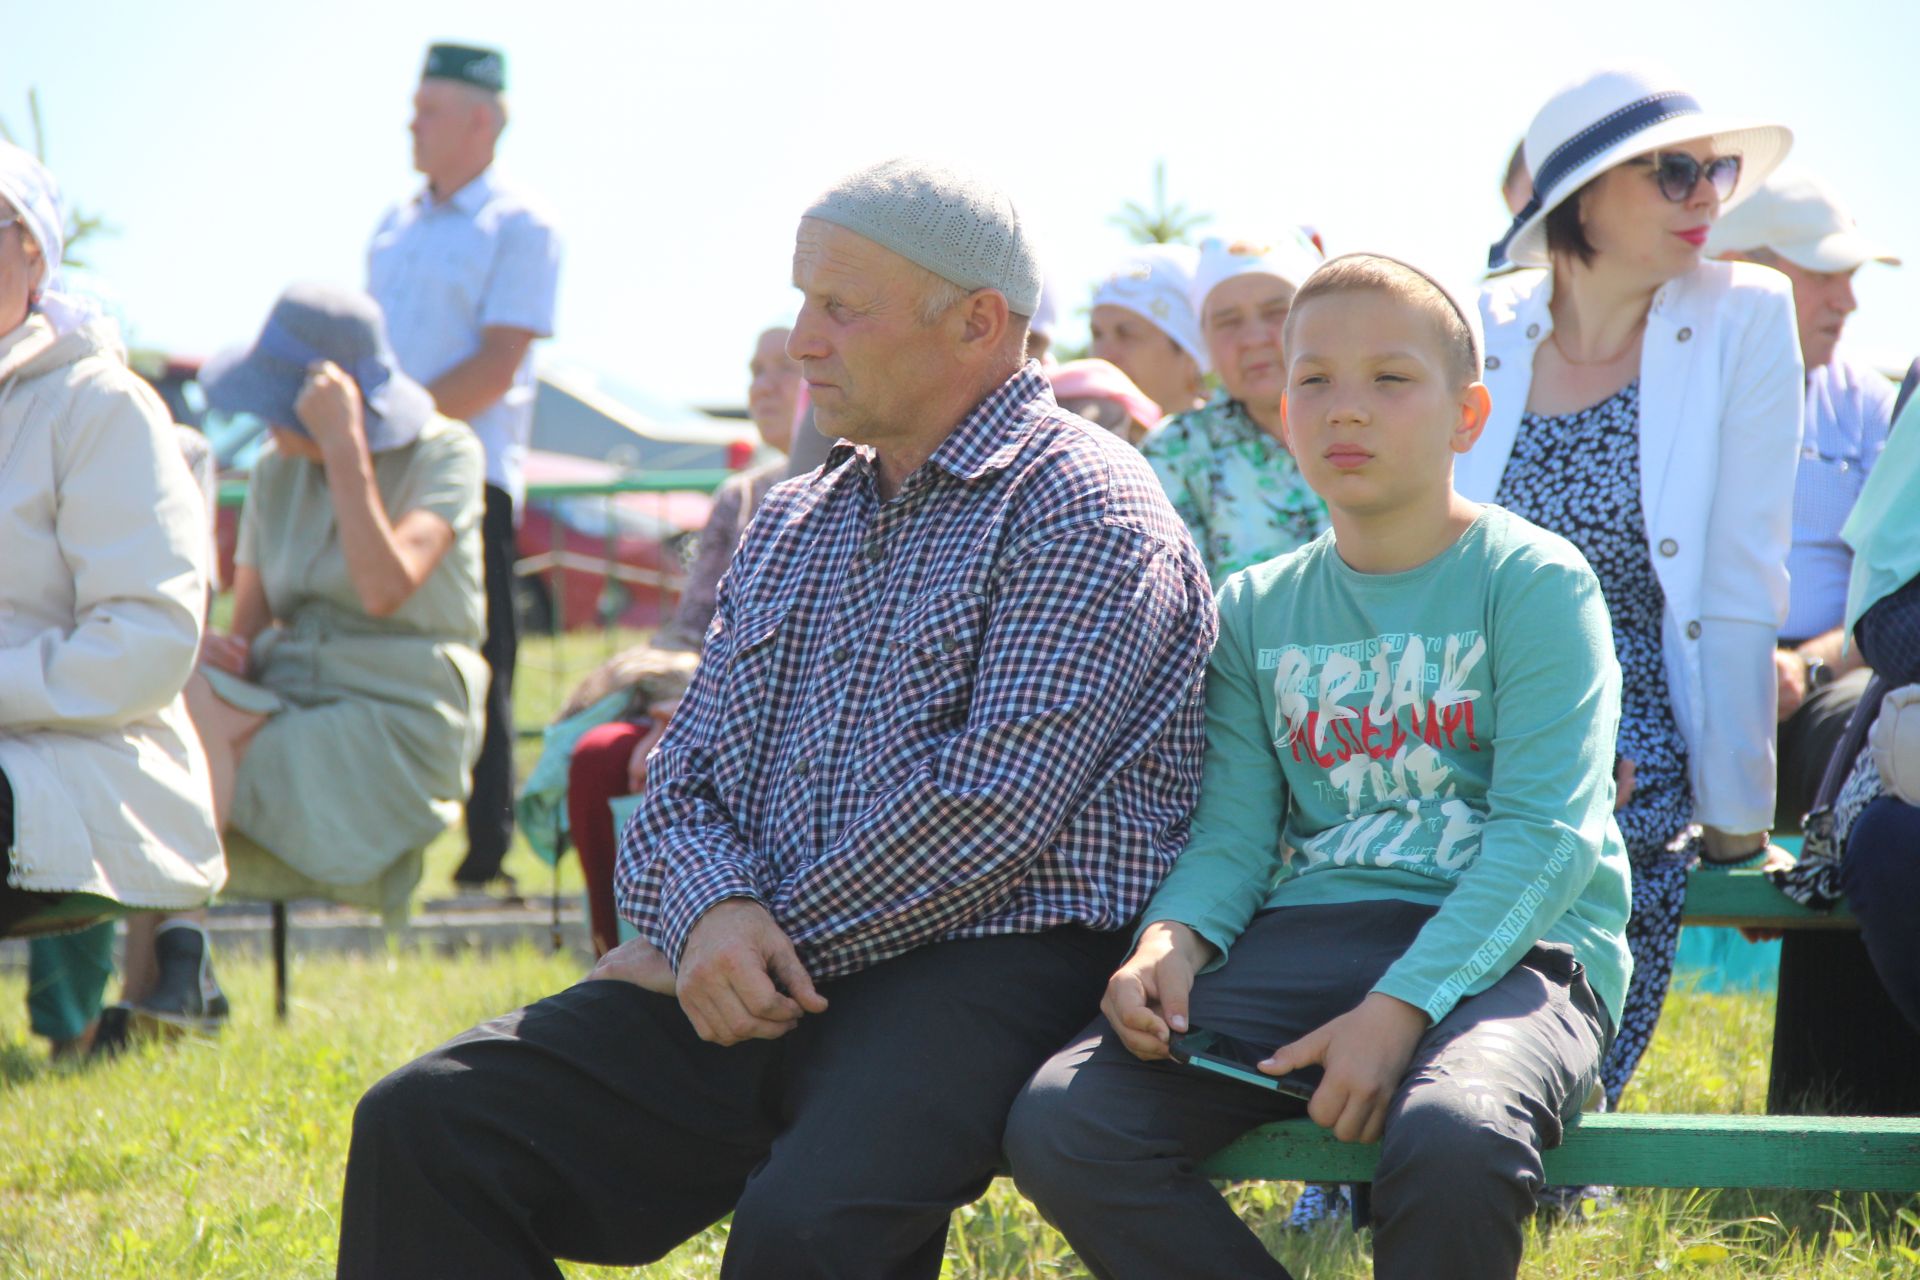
x=1162 y=223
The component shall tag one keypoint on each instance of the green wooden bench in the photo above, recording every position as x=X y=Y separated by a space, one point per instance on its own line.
x=1748 y=899
x=1809 y=1153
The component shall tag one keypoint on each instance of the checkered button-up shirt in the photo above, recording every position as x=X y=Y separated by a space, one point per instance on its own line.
x=974 y=709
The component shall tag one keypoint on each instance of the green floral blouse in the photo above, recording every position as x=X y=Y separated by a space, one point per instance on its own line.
x=1236 y=486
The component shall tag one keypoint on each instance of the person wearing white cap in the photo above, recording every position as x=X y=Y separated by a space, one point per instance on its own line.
x=1646 y=405
x=943 y=742
x=1225 y=465
x=106 y=801
x=1795 y=224
x=1143 y=324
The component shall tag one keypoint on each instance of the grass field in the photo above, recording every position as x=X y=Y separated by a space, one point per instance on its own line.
x=224 y=1160
x=208 y=1160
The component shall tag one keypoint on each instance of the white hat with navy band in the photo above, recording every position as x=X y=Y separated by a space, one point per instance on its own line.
x=1613 y=116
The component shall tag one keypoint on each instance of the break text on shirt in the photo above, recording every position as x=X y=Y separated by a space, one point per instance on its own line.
x=1374 y=719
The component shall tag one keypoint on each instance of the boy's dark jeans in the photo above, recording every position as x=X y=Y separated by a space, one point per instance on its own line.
x=1107 y=1145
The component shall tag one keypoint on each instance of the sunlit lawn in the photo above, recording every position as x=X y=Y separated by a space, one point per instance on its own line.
x=224 y=1159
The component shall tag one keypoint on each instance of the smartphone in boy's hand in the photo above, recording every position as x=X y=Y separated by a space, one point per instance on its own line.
x=1237 y=1060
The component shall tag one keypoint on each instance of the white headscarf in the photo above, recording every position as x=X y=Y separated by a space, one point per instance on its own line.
x=1292 y=258
x=32 y=190
x=1153 y=281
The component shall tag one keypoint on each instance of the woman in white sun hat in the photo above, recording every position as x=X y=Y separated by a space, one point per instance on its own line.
x=1646 y=405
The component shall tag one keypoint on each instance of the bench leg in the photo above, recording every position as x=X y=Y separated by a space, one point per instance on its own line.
x=280 y=961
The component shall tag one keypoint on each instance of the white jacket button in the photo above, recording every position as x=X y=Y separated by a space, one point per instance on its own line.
x=1533 y=331
x=1493 y=362
x=1693 y=631
x=1668 y=547
x=1684 y=334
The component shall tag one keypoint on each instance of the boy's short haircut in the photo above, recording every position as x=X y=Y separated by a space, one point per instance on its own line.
x=1376 y=273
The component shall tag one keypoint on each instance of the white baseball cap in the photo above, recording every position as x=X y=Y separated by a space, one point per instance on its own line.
x=1152 y=281
x=1797 y=216
x=1609 y=118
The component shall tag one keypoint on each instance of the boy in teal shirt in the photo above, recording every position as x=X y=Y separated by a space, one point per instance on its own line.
x=1403 y=870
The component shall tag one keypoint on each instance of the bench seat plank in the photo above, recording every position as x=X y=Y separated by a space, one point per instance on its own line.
x=1817 y=1153
x=1748 y=898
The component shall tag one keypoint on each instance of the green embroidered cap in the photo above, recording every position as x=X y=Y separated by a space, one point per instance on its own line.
x=469 y=64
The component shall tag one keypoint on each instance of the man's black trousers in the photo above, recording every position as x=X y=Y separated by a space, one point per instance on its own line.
x=596 y=1126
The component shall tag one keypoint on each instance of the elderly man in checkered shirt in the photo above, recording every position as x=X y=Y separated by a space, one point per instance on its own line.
x=943 y=743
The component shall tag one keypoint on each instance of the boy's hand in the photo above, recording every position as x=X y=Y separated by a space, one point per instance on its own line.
x=1365 y=1053
x=1146 y=998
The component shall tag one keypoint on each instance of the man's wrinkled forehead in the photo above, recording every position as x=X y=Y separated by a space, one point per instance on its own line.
x=826 y=252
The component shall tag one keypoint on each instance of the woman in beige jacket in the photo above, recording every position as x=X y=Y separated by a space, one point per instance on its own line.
x=105 y=801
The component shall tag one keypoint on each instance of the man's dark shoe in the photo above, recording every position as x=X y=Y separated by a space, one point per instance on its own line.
x=186 y=996
x=501 y=891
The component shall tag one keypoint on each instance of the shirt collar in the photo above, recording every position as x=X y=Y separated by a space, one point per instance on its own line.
x=989 y=437
x=469 y=199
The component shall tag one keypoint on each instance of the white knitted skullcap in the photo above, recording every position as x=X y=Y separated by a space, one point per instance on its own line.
x=961 y=229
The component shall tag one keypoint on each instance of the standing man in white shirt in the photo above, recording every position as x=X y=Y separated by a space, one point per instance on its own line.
x=1795 y=225
x=466 y=271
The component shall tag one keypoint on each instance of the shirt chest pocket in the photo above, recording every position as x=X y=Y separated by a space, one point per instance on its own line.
x=926 y=686
x=753 y=657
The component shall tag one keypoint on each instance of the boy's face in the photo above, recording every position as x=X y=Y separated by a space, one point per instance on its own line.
x=1374 y=412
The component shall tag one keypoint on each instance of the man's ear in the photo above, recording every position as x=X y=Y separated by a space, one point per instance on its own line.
x=985 y=318
x=1476 y=403
x=1286 y=432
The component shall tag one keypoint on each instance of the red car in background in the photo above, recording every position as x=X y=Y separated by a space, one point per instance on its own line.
x=589 y=560
x=584 y=560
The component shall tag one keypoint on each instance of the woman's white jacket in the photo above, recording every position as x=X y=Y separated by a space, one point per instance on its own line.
x=1721 y=392
x=103 y=572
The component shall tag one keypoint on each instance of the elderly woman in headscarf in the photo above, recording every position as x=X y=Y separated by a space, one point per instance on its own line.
x=1225 y=465
x=1143 y=324
x=342 y=711
x=104 y=796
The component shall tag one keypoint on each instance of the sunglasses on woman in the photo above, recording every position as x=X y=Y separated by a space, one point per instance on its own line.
x=1678 y=173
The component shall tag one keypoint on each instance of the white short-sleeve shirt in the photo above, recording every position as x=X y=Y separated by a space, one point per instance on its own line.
x=1849 y=410
x=443 y=271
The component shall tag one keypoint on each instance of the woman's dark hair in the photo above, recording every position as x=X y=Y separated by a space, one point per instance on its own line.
x=1565 y=236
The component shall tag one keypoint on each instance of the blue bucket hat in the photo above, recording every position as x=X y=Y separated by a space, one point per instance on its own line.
x=309 y=323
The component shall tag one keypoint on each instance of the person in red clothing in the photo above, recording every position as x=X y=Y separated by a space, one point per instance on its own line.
x=609 y=761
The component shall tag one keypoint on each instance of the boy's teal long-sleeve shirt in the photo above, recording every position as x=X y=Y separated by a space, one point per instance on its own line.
x=1443 y=735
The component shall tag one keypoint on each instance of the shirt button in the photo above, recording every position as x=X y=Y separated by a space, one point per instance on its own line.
x=1693 y=631
x=949 y=645
x=1533 y=331
x=840 y=654
x=802 y=767
x=1668 y=547
x=1684 y=334
x=872 y=550
x=1493 y=362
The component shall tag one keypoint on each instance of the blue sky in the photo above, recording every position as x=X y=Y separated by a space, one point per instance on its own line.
x=239 y=146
